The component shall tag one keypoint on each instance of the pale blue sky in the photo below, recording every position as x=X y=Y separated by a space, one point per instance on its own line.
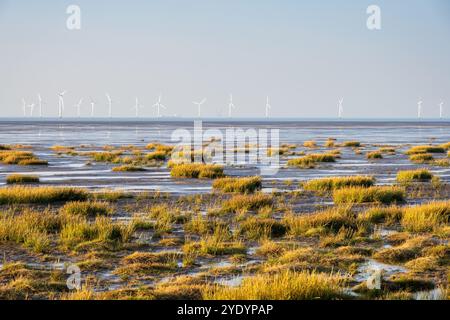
x=304 y=55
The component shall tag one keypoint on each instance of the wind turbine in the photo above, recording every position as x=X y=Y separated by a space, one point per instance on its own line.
x=40 y=105
x=340 y=108
x=31 y=106
x=199 y=105
x=268 y=107
x=109 y=104
x=231 y=105
x=419 y=109
x=158 y=105
x=441 y=109
x=61 y=103
x=136 y=107
x=92 y=107
x=24 y=107
x=78 y=106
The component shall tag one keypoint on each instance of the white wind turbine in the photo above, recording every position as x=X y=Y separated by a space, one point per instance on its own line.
x=24 y=107
x=92 y=107
x=340 y=108
x=78 y=106
x=441 y=109
x=31 y=106
x=61 y=103
x=231 y=105
x=268 y=107
x=158 y=105
x=108 y=97
x=40 y=102
x=136 y=107
x=419 y=109
x=199 y=105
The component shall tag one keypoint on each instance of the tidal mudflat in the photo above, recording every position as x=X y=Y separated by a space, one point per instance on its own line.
x=350 y=203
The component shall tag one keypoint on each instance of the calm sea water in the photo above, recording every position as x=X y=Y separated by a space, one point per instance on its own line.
x=70 y=170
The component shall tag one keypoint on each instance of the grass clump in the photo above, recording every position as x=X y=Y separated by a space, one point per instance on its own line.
x=310 y=144
x=128 y=168
x=31 y=229
x=409 y=250
x=78 y=233
x=197 y=171
x=421 y=157
x=86 y=208
x=256 y=228
x=157 y=156
x=388 y=215
x=247 y=202
x=377 y=194
x=106 y=156
x=374 y=155
x=323 y=222
x=22 y=194
x=145 y=263
x=425 y=149
x=426 y=217
x=22 y=158
x=353 y=144
x=213 y=246
x=241 y=185
x=21 y=179
x=287 y=285
x=441 y=163
x=310 y=160
x=390 y=150
x=329 y=184
x=414 y=175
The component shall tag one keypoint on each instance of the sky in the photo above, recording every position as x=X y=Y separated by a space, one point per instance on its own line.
x=304 y=55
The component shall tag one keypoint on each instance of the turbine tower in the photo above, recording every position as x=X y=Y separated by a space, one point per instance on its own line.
x=268 y=107
x=31 y=106
x=136 y=107
x=109 y=105
x=419 y=109
x=158 y=105
x=61 y=103
x=441 y=110
x=231 y=106
x=199 y=105
x=40 y=104
x=24 y=107
x=340 y=108
x=92 y=107
x=78 y=106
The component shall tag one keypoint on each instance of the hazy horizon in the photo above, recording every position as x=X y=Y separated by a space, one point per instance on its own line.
x=303 y=55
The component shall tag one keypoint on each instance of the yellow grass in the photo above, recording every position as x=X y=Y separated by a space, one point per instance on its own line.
x=21 y=179
x=22 y=194
x=286 y=285
x=385 y=195
x=242 y=185
x=197 y=170
x=128 y=168
x=86 y=208
x=425 y=149
x=426 y=217
x=414 y=175
x=329 y=184
x=247 y=202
